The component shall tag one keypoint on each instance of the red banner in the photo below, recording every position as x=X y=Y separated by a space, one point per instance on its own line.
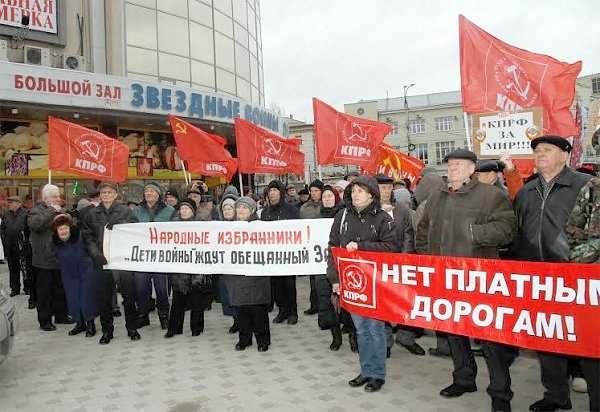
x=498 y=77
x=76 y=149
x=260 y=151
x=542 y=306
x=196 y=145
x=395 y=164
x=222 y=169
x=345 y=139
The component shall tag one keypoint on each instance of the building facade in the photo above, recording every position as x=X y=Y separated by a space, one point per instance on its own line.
x=120 y=66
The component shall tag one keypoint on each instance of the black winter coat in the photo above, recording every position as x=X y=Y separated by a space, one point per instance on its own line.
x=248 y=290
x=541 y=232
x=281 y=211
x=184 y=282
x=94 y=223
x=39 y=222
x=14 y=225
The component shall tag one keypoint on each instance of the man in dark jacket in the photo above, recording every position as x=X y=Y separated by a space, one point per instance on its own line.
x=292 y=195
x=284 y=287
x=312 y=210
x=152 y=209
x=543 y=207
x=12 y=229
x=108 y=213
x=471 y=219
x=50 y=293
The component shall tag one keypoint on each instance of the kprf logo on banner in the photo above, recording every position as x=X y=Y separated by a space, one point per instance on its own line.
x=357 y=278
x=354 y=138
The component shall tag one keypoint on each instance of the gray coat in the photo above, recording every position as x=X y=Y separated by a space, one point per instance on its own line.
x=39 y=222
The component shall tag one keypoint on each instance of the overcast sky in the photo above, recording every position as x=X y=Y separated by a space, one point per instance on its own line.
x=342 y=51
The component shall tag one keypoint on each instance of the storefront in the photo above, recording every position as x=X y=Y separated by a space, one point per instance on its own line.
x=132 y=111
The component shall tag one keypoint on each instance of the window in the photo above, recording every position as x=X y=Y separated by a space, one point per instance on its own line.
x=596 y=85
x=416 y=125
x=443 y=124
x=394 y=126
x=442 y=149
x=421 y=152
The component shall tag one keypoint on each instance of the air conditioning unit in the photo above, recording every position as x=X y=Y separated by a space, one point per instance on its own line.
x=39 y=56
x=3 y=51
x=74 y=62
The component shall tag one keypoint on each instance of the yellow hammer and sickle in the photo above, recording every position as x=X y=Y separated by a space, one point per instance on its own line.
x=180 y=128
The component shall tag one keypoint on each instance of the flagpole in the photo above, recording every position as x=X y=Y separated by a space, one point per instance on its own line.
x=49 y=176
x=241 y=183
x=467 y=131
x=320 y=172
x=185 y=175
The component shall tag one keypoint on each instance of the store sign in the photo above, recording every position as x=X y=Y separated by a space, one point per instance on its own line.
x=41 y=13
x=25 y=83
x=510 y=132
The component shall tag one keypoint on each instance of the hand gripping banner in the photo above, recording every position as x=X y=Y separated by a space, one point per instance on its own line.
x=549 y=307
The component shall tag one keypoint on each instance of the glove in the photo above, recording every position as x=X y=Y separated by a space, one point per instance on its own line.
x=100 y=260
x=109 y=225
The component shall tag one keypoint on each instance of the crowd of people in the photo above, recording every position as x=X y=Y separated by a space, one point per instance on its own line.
x=481 y=209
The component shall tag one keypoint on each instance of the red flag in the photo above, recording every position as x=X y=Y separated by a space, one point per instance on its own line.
x=395 y=164
x=345 y=139
x=222 y=169
x=76 y=149
x=498 y=77
x=196 y=145
x=577 y=151
x=260 y=151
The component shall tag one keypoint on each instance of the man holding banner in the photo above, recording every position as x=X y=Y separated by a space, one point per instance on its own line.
x=543 y=207
x=471 y=219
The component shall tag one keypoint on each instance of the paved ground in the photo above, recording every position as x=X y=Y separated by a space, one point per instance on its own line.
x=51 y=371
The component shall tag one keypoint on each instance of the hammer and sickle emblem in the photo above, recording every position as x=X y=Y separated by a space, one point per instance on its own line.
x=180 y=128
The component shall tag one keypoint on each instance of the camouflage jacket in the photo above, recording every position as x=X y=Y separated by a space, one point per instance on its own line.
x=583 y=226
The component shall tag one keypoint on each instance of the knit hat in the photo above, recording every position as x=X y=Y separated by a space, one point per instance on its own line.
x=82 y=204
x=246 y=201
x=228 y=201
x=154 y=185
x=231 y=190
x=62 y=219
x=402 y=196
x=342 y=183
x=172 y=192
x=189 y=203
x=316 y=183
x=195 y=191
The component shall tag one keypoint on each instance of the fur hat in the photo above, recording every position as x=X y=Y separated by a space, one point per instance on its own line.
x=61 y=220
x=246 y=201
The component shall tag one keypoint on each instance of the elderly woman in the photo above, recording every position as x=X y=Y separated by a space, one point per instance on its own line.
x=77 y=273
x=251 y=295
x=195 y=289
x=227 y=214
x=363 y=225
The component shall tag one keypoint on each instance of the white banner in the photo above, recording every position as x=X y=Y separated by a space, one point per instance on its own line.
x=506 y=132
x=285 y=247
x=42 y=14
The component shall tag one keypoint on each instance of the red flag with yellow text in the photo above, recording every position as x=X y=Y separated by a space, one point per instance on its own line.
x=196 y=145
x=76 y=149
x=345 y=139
x=498 y=77
x=395 y=164
x=260 y=151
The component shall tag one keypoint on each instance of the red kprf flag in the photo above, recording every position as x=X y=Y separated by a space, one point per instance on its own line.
x=221 y=169
x=196 y=145
x=76 y=149
x=395 y=164
x=345 y=139
x=498 y=77
x=260 y=151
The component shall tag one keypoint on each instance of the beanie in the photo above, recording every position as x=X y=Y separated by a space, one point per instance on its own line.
x=189 y=203
x=402 y=196
x=246 y=201
x=228 y=201
x=316 y=183
x=154 y=185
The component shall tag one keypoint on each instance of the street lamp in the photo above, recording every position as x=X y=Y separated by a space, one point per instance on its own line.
x=410 y=146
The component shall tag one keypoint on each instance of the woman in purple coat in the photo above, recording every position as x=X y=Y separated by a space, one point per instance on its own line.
x=77 y=273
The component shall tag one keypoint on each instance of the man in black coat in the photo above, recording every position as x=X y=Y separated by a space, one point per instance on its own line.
x=12 y=228
x=284 y=287
x=108 y=213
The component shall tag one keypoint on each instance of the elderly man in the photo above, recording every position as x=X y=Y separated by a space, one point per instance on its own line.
x=12 y=231
x=153 y=209
x=292 y=195
x=470 y=219
x=107 y=214
x=543 y=207
x=486 y=172
x=50 y=293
